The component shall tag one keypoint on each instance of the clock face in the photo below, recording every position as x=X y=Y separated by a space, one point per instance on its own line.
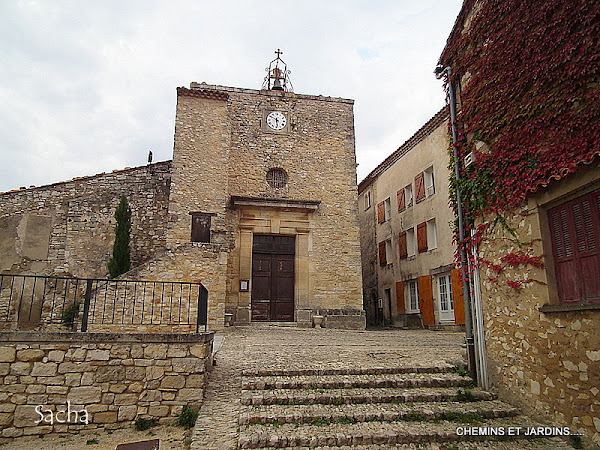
x=276 y=120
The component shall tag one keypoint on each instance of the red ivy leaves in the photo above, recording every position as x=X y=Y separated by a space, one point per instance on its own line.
x=518 y=259
x=533 y=95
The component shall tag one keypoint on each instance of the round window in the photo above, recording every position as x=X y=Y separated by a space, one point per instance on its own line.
x=277 y=178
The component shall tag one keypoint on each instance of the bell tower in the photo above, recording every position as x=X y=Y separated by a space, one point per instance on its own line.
x=277 y=78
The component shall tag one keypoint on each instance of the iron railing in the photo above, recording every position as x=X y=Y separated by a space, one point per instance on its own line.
x=88 y=304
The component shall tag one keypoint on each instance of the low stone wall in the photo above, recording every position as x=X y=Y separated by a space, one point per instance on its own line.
x=45 y=378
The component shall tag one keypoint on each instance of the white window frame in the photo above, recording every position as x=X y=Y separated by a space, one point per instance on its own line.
x=412 y=296
x=432 y=241
x=443 y=285
x=411 y=242
x=429 y=181
x=368 y=199
x=408 y=196
x=387 y=206
x=389 y=252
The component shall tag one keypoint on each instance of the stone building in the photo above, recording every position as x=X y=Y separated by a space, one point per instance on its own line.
x=534 y=197
x=258 y=204
x=407 y=249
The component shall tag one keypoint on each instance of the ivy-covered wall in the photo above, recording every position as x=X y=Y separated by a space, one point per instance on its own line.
x=527 y=74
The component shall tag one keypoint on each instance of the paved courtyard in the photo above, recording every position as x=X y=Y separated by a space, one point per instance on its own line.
x=273 y=347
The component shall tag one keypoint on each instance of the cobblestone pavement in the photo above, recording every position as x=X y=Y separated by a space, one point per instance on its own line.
x=277 y=347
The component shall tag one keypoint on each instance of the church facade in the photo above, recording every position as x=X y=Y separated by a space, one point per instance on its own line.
x=259 y=204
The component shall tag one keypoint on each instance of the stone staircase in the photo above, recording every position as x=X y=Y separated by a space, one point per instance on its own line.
x=402 y=407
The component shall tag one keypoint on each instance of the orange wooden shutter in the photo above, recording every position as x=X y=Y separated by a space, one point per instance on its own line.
x=457 y=296
x=382 y=256
x=381 y=212
x=400 y=298
x=401 y=200
x=422 y=237
x=402 y=247
x=426 y=300
x=419 y=187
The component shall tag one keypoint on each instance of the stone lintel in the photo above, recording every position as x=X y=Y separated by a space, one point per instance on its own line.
x=568 y=308
x=310 y=205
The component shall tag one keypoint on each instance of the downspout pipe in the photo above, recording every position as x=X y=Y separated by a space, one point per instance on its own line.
x=471 y=360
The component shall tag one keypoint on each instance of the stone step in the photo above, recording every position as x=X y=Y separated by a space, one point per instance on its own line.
x=355 y=413
x=357 y=381
x=377 y=433
x=371 y=395
x=555 y=443
x=441 y=368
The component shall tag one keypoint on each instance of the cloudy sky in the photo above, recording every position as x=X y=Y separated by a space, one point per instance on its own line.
x=89 y=86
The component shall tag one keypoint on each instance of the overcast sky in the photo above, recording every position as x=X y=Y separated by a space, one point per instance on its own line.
x=90 y=86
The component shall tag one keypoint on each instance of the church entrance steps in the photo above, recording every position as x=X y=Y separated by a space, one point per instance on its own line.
x=371 y=407
x=310 y=379
x=357 y=381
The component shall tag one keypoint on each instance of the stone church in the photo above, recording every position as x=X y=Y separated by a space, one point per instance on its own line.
x=259 y=204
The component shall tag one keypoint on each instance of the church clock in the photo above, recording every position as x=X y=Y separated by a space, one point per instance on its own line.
x=276 y=120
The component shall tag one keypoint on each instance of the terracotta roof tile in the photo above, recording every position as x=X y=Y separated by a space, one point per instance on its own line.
x=203 y=93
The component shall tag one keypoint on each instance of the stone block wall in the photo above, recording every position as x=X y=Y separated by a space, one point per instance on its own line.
x=223 y=150
x=116 y=378
x=546 y=361
x=68 y=228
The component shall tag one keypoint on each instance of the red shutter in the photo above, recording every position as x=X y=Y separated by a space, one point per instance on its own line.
x=419 y=187
x=382 y=256
x=426 y=300
x=457 y=295
x=402 y=247
x=422 y=237
x=381 y=212
x=401 y=200
x=575 y=234
x=400 y=308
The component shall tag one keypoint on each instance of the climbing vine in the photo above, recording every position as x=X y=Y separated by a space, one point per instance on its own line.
x=529 y=76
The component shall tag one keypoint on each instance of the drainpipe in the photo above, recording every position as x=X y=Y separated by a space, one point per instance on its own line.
x=471 y=360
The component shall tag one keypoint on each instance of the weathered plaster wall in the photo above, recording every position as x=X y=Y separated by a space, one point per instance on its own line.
x=547 y=362
x=427 y=148
x=117 y=378
x=68 y=228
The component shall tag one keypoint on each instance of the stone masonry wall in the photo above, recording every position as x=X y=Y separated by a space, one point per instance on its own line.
x=546 y=362
x=223 y=149
x=117 y=378
x=68 y=228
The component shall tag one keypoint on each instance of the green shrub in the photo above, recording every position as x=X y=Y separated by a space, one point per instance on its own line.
x=142 y=423
x=187 y=417
x=69 y=314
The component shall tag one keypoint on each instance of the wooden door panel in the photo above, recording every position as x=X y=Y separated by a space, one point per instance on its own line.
x=284 y=288
x=273 y=275
x=426 y=300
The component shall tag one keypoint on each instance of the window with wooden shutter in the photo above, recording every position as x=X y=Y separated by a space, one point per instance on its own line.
x=382 y=255
x=381 y=212
x=200 y=227
x=402 y=247
x=422 y=237
x=401 y=200
x=419 y=187
x=575 y=235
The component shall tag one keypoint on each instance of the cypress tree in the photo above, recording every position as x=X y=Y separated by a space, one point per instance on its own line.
x=120 y=263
